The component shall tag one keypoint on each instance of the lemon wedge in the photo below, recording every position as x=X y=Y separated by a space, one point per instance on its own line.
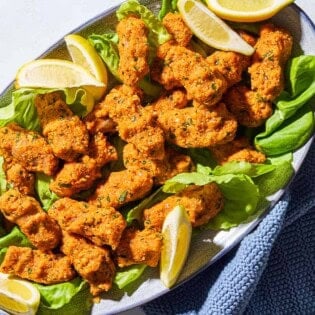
x=84 y=54
x=18 y=296
x=176 y=233
x=55 y=73
x=247 y=10
x=211 y=29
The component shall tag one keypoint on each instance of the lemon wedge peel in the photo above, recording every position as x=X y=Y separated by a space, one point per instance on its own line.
x=18 y=296
x=54 y=73
x=210 y=29
x=228 y=10
x=85 y=55
x=176 y=233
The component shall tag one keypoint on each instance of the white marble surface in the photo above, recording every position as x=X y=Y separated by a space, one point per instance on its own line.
x=29 y=27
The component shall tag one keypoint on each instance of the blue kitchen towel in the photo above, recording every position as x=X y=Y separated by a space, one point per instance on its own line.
x=272 y=271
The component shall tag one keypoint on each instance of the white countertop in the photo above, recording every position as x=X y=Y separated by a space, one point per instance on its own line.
x=29 y=27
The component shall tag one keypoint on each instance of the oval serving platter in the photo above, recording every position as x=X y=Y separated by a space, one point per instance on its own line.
x=208 y=246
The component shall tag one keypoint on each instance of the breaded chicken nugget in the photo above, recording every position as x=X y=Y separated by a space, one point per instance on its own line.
x=133 y=48
x=37 y=266
x=267 y=80
x=193 y=127
x=65 y=132
x=272 y=51
x=19 y=177
x=230 y=64
x=81 y=175
x=135 y=123
x=176 y=26
x=93 y=263
x=28 y=148
x=102 y=226
x=41 y=230
x=75 y=177
x=202 y=83
x=101 y=150
x=122 y=187
x=274 y=44
x=237 y=150
x=98 y=120
x=139 y=247
x=201 y=203
x=161 y=170
x=175 y=99
x=247 y=106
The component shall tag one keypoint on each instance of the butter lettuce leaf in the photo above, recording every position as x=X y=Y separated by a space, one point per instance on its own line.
x=71 y=297
x=44 y=194
x=22 y=109
x=106 y=47
x=293 y=134
x=240 y=193
x=128 y=275
x=3 y=179
x=14 y=238
x=300 y=89
x=270 y=183
x=167 y=6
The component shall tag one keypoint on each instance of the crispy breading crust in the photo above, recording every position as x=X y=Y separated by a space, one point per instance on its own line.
x=28 y=148
x=37 y=266
x=65 y=132
x=41 y=230
x=122 y=187
x=139 y=247
x=102 y=226
x=201 y=203
x=133 y=50
x=198 y=127
x=237 y=150
x=93 y=263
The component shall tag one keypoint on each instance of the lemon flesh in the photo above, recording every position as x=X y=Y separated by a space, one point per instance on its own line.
x=18 y=296
x=176 y=233
x=211 y=29
x=247 y=10
x=55 y=73
x=84 y=54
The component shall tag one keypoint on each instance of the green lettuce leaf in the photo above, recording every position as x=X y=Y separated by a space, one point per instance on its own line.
x=56 y=298
x=44 y=194
x=166 y=7
x=128 y=275
x=106 y=47
x=202 y=157
x=293 y=134
x=241 y=195
x=240 y=184
x=3 y=179
x=14 y=238
x=271 y=182
x=23 y=111
x=250 y=169
x=300 y=79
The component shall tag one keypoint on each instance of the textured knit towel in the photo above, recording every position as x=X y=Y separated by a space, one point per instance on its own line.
x=271 y=272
